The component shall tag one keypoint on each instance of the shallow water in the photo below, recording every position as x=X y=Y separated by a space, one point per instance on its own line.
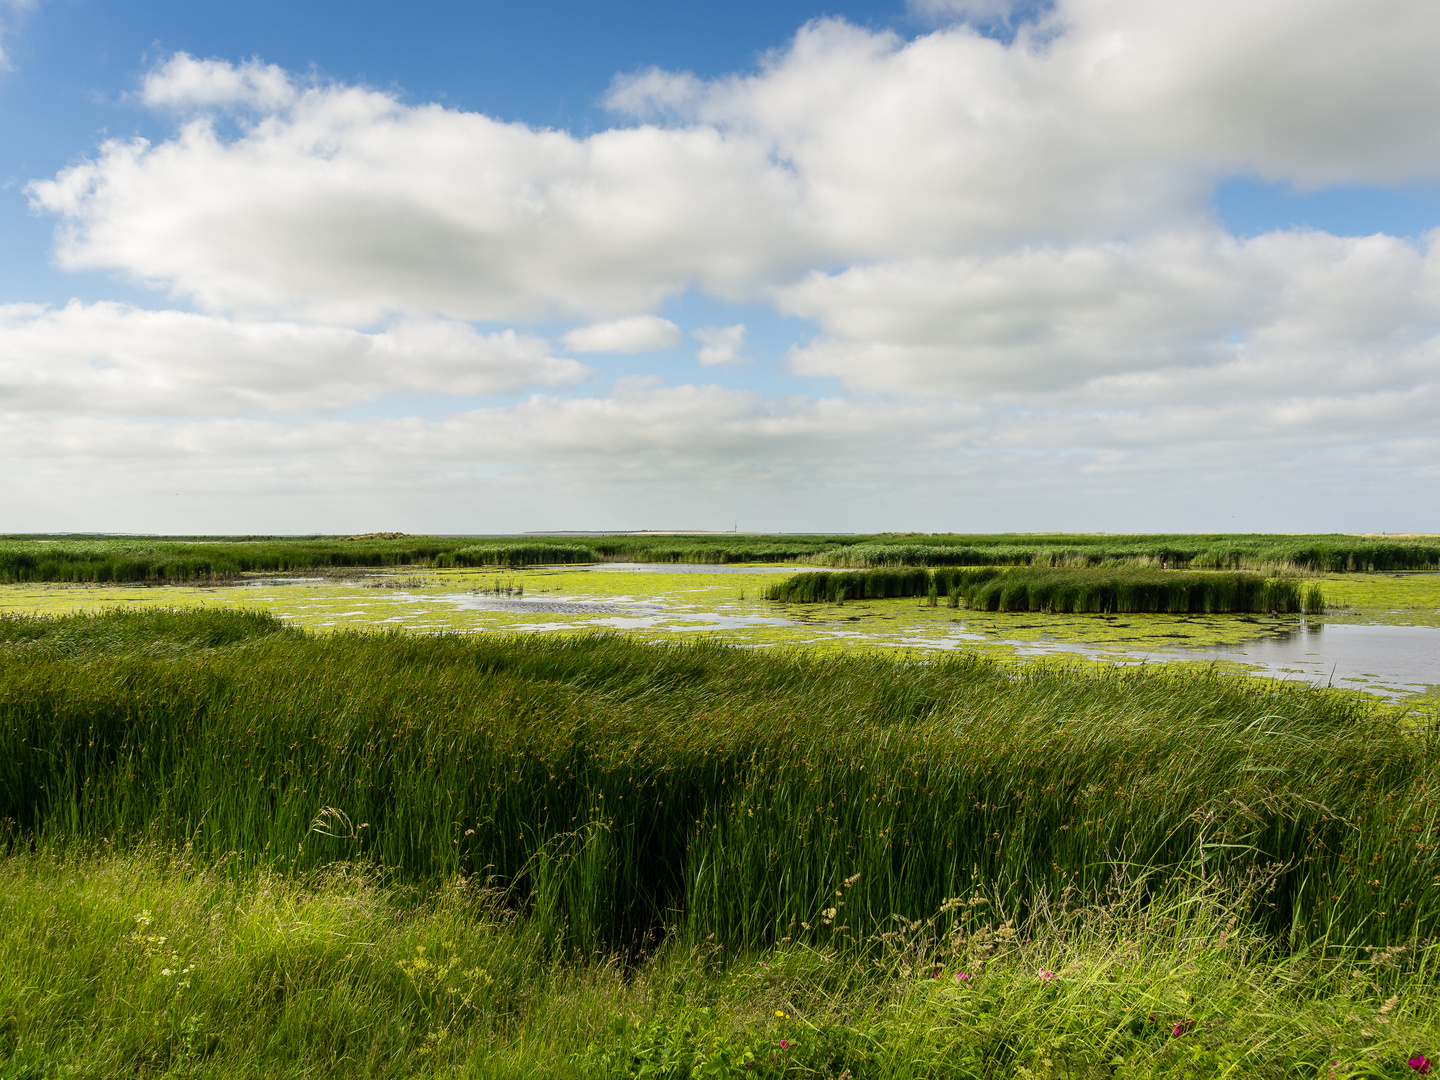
x=1382 y=658
x=1383 y=637
x=1389 y=660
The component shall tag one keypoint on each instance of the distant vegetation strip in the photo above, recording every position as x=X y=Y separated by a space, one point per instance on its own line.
x=1321 y=554
x=172 y=559
x=1121 y=590
x=155 y=561
x=617 y=791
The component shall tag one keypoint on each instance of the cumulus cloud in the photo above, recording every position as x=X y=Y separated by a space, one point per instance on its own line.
x=183 y=81
x=351 y=206
x=720 y=345
x=1007 y=247
x=1118 y=316
x=632 y=334
x=1109 y=118
x=110 y=358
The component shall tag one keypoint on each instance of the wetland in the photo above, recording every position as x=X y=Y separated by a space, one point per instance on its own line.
x=632 y=818
x=1380 y=632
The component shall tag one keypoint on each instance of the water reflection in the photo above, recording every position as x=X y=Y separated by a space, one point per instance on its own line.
x=1392 y=660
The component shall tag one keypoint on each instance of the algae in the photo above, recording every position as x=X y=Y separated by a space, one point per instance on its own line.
x=675 y=603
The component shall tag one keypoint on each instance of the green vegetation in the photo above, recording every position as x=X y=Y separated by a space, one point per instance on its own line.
x=821 y=585
x=1124 y=590
x=140 y=964
x=162 y=559
x=519 y=554
x=231 y=848
x=1319 y=554
x=621 y=791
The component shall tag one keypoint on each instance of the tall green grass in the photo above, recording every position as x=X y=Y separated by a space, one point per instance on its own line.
x=1112 y=589
x=148 y=561
x=1128 y=591
x=821 y=585
x=521 y=554
x=1321 y=554
x=140 y=964
x=617 y=791
x=162 y=559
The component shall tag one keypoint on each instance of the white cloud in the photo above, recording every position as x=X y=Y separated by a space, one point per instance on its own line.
x=984 y=12
x=115 y=359
x=848 y=146
x=1337 y=462
x=1117 y=316
x=1008 y=249
x=183 y=81
x=632 y=334
x=654 y=94
x=720 y=345
x=351 y=206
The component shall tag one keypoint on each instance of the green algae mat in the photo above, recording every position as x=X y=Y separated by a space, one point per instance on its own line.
x=667 y=602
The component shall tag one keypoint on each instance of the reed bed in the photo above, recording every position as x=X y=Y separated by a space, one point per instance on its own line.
x=1121 y=590
x=520 y=554
x=1128 y=591
x=1314 y=554
x=209 y=559
x=618 y=793
x=146 y=561
x=820 y=585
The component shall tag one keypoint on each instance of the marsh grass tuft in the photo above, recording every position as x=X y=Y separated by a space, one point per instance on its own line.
x=1121 y=590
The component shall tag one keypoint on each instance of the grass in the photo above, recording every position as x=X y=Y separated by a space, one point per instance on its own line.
x=1124 y=590
x=158 y=560
x=230 y=848
x=201 y=559
x=622 y=792
x=161 y=965
x=1314 y=554
x=827 y=586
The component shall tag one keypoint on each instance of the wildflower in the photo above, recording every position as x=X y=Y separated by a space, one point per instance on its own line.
x=962 y=976
x=1181 y=1027
x=1420 y=1063
x=1046 y=976
x=784 y=1044
x=780 y=1014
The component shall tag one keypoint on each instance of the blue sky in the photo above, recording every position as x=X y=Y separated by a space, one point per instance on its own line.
x=945 y=264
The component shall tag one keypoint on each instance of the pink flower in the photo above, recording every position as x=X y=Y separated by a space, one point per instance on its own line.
x=962 y=976
x=784 y=1044
x=1046 y=976
x=1420 y=1063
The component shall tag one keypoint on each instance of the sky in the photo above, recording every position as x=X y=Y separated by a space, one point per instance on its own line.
x=924 y=265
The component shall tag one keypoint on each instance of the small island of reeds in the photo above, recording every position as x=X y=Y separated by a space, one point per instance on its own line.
x=1107 y=590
